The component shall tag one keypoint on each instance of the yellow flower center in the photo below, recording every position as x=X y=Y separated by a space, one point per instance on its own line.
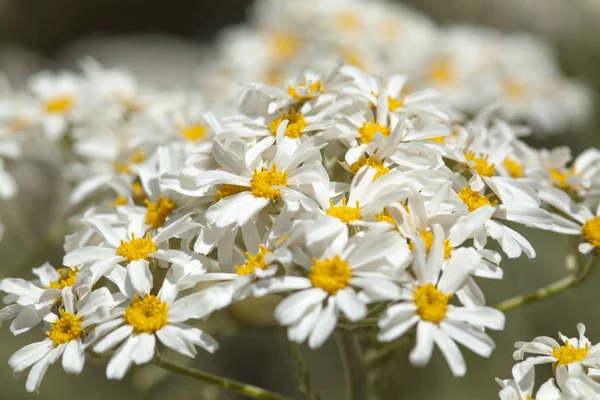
x=442 y=73
x=65 y=329
x=295 y=126
x=158 y=212
x=136 y=248
x=125 y=167
x=59 y=104
x=347 y=21
x=482 y=166
x=253 y=262
x=438 y=139
x=119 y=201
x=344 y=213
x=331 y=274
x=367 y=131
x=590 y=232
x=146 y=315
x=352 y=57
x=227 y=190
x=373 y=163
x=138 y=192
x=559 y=178
x=514 y=89
x=432 y=305
x=314 y=89
x=385 y=216
x=427 y=237
x=263 y=182
x=569 y=354
x=514 y=168
x=474 y=200
x=67 y=277
x=18 y=124
x=194 y=132
x=394 y=104
x=284 y=46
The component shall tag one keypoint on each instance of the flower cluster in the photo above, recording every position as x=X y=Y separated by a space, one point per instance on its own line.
x=472 y=66
x=575 y=365
x=359 y=200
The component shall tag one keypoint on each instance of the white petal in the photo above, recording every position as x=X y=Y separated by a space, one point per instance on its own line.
x=324 y=326
x=73 y=357
x=293 y=307
x=139 y=277
x=451 y=353
x=121 y=361
x=421 y=353
x=144 y=351
x=348 y=302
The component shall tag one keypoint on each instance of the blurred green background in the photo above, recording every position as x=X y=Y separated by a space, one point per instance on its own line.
x=168 y=39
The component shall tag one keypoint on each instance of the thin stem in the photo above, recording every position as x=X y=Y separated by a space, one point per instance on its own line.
x=547 y=291
x=376 y=357
x=242 y=388
x=301 y=373
x=353 y=365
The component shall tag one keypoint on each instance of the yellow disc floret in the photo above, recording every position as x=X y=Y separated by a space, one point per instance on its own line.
x=295 y=126
x=344 y=213
x=67 y=278
x=59 y=104
x=427 y=237
x=590 y=232
x=137 y=248
x=264 y=180
x=65 y=328
x=193 y=132
x=474 y=200
x=368 y=130
x=482 y=166
x=568 y=354
x=146 y=315
x=313 y=90
x=432 y=305
x=514 y=168
x=157 y=213
x=441 y=72
x=373 y=163
x=253 y=262
x=394 y=104
x=331 y=274
x=227 y=190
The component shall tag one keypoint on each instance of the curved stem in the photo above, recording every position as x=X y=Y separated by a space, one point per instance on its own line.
x=242 y=388
x=353 y=365
x=547 y=291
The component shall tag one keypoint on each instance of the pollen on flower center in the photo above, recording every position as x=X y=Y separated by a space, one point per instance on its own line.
x=367 y=131
x=263 y=181
x=65 y=329
x=386 y=216
x=295 y=126
x=442 y=73
x=193 y=132
x=427 y=237
x=394 y=104
x=227 y=190
x=373 y=163
x=59 y=104
x=348 y=21
x=560 y=178
x=284 y=46
x=344 y=213
x=157 y=213
x=514 y=168
x=432 y=305
x=312 y=90
x=253 y=262
x=482 y=166
x=146 y=315
x=67 y=277
x=514 y=89
x=136 y=248
x=590 y=232
x=474 y=200
x=569 y=354
x=331 y=274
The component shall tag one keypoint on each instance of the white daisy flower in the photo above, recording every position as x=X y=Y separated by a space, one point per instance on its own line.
x=146 y=318
x=572 y=353
x=521 y=386
x=426 y=306
x=334 y=274
x=66 y=336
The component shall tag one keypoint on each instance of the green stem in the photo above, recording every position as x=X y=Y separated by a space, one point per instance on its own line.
x=353 y=365
x=301 y=373
x=547 y=291
x=242 y=388
x=376 y=357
